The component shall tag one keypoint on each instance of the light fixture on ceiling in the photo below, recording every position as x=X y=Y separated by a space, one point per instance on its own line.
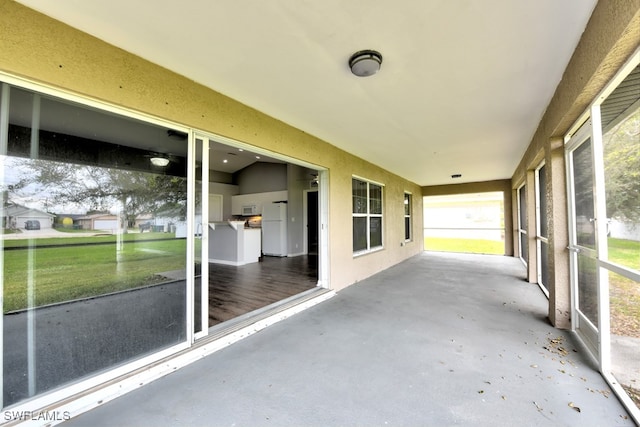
x=365 y=63
x=159 y=161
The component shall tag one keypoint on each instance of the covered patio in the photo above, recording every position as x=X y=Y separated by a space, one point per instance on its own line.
x=439 y=339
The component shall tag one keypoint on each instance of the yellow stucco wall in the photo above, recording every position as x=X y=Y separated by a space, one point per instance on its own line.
x=46 y=51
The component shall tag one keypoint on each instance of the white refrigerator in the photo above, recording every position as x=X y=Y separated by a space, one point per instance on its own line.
x=274 y=229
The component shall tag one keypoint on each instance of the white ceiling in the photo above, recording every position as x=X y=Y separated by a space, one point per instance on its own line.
x=462 y=87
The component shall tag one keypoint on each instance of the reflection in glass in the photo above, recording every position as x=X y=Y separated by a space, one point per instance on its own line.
x=359 y=234
x=375 y=231
x=197 y=251
x=588 y=288
x=522 y=211
x=407 y=216
x=522 y=200
x=375 y=199
x=542 y=180
x=359 y=189
x=544 y=264
x=93 y=243
x=583 y=184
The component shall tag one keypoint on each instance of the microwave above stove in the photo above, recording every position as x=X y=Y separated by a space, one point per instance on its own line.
x=249 y=210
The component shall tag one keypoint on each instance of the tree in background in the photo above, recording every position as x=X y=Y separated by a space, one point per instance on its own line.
x=622 y=169
x=92 y=188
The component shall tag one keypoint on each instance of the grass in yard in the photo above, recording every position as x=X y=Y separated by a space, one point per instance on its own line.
x=9 y=231
x=476 y=246
x=624 y=252
x=107 y=238
x=624 y=300
x=66 y=273
x=624 y=294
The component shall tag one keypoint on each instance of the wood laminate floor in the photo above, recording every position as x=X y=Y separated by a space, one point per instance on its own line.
x=236 y=290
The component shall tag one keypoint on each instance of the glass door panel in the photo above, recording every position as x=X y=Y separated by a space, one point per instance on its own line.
x=583 y=238
x=200 y=234
x=583 y=197
x=92 y=265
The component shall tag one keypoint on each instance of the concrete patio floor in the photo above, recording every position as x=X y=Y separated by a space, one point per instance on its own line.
x=438 y=340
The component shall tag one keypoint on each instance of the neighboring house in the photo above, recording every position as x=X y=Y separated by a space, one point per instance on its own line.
x=101 y=221
x=167 y=221
x=143 y=219
x=16 y=217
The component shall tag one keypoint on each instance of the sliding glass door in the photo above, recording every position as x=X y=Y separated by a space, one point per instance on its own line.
x=93 y=256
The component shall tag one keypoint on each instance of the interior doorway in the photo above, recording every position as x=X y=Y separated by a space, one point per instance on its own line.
x=241 y=183
x=312 y=222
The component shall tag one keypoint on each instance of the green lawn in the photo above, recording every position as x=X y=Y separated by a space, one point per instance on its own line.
x=65 y=273
x=624 y=294
x=105 y=238
x=624 y=252
x=477 y=246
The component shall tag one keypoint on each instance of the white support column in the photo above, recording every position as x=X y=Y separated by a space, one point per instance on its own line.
x=559 y=285
x=604 y=317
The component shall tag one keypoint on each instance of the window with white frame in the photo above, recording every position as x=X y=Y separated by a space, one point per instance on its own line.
x=407 y=216
x=522 y=224
x=367 y=215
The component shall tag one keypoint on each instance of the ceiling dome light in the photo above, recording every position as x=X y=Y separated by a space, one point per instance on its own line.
x=159 y=161
x=365 y=63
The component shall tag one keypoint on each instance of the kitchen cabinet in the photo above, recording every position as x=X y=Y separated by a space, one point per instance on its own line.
x=256 y=199
x=232 y=244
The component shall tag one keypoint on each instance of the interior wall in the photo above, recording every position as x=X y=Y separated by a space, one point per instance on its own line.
x=44 y=50
x=262 y=177
x=226 y=191
x=503 y=186
x=298 y=179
